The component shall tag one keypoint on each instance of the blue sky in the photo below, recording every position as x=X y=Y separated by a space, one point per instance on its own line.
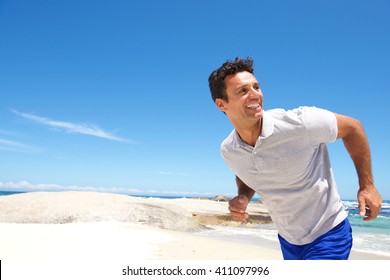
x=113 y=95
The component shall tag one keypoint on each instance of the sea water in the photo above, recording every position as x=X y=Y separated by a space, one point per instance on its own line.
x=372 y=236
x=368 y=237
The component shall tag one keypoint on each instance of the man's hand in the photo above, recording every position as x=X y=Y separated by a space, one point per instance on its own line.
x=237 y=208
x=370 y=203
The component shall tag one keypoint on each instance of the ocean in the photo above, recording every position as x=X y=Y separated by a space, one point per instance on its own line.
x=371 y=237
x=368 y=237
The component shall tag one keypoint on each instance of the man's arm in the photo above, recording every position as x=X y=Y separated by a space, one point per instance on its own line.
x=238 y=205
x=356 y=143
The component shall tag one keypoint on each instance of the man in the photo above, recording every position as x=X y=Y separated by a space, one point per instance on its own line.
x=282 y=156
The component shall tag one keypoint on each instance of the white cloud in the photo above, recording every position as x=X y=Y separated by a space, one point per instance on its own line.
x=9 y=145
x=25 y=186
x=72 y=127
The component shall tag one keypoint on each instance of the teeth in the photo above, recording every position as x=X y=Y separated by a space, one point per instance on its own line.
x=253 y=106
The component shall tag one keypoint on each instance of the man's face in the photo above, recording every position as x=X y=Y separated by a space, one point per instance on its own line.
x=245 y=99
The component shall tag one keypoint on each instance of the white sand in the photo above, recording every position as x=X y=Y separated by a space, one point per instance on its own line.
x=116 y=240
x=88 y=225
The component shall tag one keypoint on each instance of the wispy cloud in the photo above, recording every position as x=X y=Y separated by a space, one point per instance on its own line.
x=25 y=186
x=9 y=145
x=72 y=127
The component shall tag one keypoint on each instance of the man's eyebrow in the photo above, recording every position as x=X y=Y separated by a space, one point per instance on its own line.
x=240 y=88
x=244 y=86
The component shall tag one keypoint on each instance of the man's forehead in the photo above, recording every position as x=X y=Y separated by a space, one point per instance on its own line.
x=240 y=79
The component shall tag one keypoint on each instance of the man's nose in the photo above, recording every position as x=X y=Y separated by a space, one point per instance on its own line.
x=255 y=93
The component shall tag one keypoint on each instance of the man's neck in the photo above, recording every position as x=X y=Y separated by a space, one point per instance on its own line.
x=250 y=134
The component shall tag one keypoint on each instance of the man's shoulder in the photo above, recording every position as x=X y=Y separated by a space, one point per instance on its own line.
x=299 y=113
x=275 y=111
x=229 y=139
x=294 y=111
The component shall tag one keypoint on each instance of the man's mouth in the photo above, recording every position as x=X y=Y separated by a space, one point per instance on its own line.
x=253 y=106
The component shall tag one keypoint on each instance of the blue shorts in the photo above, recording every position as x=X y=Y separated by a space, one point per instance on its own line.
x=333 y=245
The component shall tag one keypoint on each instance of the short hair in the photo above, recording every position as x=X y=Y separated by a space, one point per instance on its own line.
x=217 y=77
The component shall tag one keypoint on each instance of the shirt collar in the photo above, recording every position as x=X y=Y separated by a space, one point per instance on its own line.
x=268 y=125
x=266 y=131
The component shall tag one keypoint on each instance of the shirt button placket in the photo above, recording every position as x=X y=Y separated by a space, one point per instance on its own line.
x=256 y=157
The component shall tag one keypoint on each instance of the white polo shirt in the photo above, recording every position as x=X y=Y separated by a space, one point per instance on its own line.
x=290 y=169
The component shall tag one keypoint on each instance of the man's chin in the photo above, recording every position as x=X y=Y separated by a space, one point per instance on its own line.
x=259 y=115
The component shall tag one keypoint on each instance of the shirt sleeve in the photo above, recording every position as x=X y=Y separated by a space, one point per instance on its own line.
x=321 y=125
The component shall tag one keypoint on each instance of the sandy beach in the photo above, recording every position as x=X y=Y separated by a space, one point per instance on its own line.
x=90 y=225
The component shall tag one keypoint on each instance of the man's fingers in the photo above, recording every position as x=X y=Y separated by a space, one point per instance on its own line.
x=239 y=217
x=370 y=214
x=237 y=208
x=362 y=207
x=362 y=211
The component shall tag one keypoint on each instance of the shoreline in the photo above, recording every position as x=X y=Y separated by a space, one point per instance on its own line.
x=80 y=225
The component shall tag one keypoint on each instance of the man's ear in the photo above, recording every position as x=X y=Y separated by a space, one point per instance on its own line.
x=220 y=104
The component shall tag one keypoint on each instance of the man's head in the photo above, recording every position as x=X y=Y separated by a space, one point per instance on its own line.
x=236 y=92
x=217 y=78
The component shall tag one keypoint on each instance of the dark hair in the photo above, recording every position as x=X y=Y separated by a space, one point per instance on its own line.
x=217 y=78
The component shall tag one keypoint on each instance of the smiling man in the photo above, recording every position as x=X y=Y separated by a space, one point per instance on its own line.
x=282 y=156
